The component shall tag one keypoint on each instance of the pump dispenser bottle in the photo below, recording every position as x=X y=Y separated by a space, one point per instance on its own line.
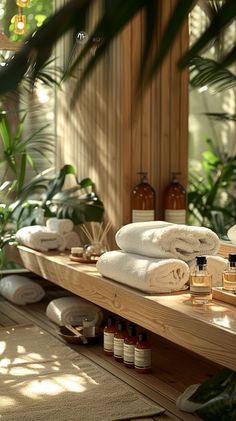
x=175 y=202
x=200 y=282
x=143 y=198
x=229 y=274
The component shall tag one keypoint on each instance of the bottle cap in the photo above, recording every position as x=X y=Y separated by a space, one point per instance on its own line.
x=111 y=321
x=142 y=337
x=121 y=326
x=132 y=331
x=232 y=257
x=201 y=260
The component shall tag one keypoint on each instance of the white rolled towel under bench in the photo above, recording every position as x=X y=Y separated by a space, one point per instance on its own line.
x=72 y=310
x=21 y=290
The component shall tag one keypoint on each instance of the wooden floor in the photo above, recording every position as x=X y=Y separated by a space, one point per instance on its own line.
x=174 y=371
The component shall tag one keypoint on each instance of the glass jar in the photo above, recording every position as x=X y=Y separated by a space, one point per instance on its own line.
x=94 y=251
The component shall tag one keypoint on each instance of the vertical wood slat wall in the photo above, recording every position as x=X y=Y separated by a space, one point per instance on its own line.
x=110 y=137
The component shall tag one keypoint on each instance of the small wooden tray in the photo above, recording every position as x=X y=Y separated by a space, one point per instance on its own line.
x=82 y=260
x=220 y=294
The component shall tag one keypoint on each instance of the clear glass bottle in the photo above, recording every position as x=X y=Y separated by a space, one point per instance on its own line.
x=175 y=202
x=229 y=274
x=129 y=345
x=201 y=282
x=142 y=354
x=108 y=336
x=119 y=339
x=94 y=251
x=143 y=201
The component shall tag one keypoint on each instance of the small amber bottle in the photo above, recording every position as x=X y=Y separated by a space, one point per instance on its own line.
x=119 y=339
x=143 y=201
x=142 y=354
x=175 y=202
x=229 y=274
x=129 y=345
x=108 y=335
x=200 y=282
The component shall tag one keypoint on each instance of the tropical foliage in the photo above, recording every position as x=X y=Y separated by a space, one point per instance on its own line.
x=211 y=196
x=36 y=51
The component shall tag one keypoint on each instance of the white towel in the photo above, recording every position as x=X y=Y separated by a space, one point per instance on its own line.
x=144 y=273
x=21 y=290
x=215 y=266
x=184 y=404
x=59 y=225
x=73 y=310
x=164 y=240
x=71 y=240
x=39 y=238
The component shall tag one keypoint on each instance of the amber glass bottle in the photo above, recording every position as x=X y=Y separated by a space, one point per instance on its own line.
x=175 y=202
x=129 y=345
x=142 y=354
x=143 y=201
x=119 y=339
x=108 y=336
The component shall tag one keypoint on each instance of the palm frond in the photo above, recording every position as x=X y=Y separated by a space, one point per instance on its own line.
x=222 y=116
x=222 y=19
x=210 y=73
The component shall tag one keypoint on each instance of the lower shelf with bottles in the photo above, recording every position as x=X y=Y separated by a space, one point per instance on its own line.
x=208 y=331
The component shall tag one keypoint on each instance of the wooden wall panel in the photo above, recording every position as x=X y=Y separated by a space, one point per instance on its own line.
x=109 y=135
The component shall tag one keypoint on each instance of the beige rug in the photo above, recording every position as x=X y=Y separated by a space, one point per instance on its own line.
x=43 y=379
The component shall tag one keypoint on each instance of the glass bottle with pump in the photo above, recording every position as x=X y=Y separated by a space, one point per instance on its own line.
x=108 y=335
x=143 y=199
x=229 y=274
x=119 y=339
x=142 y=354
x=201 y=282
x=175 y=202
x=129 y=345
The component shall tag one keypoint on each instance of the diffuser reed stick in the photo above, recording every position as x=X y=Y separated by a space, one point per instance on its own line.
x=97 y=232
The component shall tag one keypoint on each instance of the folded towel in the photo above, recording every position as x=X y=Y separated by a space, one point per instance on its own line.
x=39 y=238
x=163 y=240
x=59 y=225
x=144 y=273
x=72 y=310
x=20 y=290
x=215 y=266
x=71 y=240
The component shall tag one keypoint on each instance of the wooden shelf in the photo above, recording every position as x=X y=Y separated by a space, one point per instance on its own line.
x=209 y=331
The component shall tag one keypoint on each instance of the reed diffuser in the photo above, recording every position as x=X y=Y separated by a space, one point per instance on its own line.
x=96 y=235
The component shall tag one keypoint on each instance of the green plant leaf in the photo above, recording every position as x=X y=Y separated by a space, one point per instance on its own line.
x=222 y=19
x=210 y=73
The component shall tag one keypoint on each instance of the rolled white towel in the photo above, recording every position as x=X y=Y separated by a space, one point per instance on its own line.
x=62 y=226
x=21 y=290
x=72 y=310
x=164 y=240
x=215 y=266
x=144 y=273
x=71 y=240
x=39 y=238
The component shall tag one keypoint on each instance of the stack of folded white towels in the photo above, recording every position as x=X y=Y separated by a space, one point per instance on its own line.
x=58 y=234
x=156 y=257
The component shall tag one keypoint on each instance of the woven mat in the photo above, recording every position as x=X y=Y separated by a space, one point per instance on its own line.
x=43 y=379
